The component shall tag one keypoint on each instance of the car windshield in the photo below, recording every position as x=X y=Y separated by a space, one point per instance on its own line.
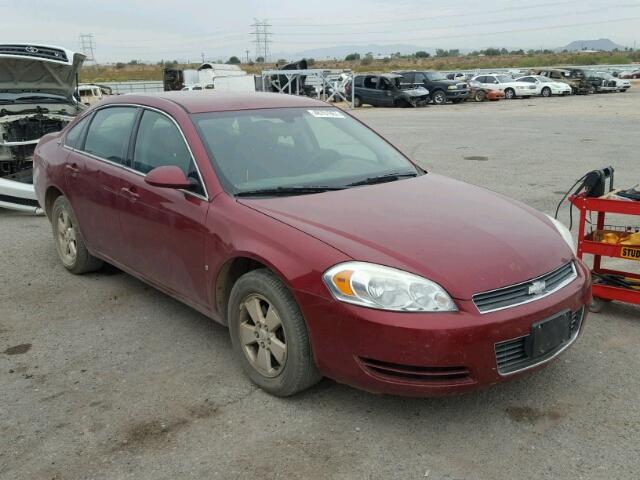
x=435 y=76
x=604 y=75
x=504 y=78
x=296 y=147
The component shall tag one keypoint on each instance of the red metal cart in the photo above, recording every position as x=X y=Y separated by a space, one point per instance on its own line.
x=588 y=243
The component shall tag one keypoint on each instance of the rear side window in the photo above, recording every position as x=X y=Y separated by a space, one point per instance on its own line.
x=74 y=136
x=109 y=133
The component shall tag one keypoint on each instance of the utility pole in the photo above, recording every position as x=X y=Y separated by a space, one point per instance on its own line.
x=247 y=53
x=202 y=55
x=88 y=45
x=262 y=38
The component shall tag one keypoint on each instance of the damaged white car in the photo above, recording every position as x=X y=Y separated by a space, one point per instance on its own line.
x=37 y=85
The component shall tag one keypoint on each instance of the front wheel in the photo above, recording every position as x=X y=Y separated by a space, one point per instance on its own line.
x=269 y=335
x=480 y=96
x=439 y=97
x=509 y=94
x=69 y=242
x=357 y=102
x=546 y=92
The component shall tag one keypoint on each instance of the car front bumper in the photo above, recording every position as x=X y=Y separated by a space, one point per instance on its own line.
x=430 y=354
x=20 y=196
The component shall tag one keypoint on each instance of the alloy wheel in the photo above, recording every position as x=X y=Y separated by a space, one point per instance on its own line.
x=262 y=336
x=67 y=240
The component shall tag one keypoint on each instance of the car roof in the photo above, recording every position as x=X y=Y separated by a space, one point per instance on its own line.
x=197 y=102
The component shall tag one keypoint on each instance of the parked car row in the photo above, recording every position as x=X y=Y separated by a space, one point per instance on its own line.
x=410 y=88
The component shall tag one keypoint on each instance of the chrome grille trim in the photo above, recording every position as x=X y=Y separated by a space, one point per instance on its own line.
x=517 y=294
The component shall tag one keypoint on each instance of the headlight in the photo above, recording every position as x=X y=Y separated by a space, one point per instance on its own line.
x=452 y=87
x=564 y=233
x=386 y=288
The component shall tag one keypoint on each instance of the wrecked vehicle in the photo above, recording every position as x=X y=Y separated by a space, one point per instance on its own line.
x=479 y=94
x=441 y=89
x=91 y=93
x=578 y=84
x=37 y=85
x=386 y=90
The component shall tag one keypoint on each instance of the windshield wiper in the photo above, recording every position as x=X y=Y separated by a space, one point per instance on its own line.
x=389 y=177
x=284 y=191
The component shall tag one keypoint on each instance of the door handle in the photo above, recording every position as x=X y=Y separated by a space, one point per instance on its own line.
x=73 y=168
x=129 y=192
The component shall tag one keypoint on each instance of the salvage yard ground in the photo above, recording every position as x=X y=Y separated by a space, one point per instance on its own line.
x=102 y=377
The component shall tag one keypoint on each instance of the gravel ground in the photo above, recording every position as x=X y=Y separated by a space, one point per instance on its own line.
x=102 y=377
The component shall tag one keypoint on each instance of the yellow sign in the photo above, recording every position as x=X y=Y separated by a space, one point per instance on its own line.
x=629 y=252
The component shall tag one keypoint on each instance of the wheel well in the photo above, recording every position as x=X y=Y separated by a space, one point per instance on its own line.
x=50 y=197
x=227 y=277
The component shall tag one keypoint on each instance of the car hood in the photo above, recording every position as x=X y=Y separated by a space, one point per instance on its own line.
x=463 y=237
x=24 y=74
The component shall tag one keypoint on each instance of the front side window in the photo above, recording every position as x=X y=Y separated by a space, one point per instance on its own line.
x=287 y=147
x=109 y=133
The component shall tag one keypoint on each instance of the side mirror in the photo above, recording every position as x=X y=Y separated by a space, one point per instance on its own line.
x=168 y=176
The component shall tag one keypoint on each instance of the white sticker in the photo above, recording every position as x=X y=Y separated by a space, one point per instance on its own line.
x=326 y=113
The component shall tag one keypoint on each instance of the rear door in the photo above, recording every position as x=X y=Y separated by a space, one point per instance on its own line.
x=94 y=168
x=164 y=228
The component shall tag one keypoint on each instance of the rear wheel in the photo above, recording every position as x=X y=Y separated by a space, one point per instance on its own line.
x=439 y=97
x=269 y=335
x=509 y=93
x=357 y=102
x=69 y=242
x=546 y=92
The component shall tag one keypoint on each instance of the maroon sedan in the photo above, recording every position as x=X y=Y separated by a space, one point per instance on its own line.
x=323 y=248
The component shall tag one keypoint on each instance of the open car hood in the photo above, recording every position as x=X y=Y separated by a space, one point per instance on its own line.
x=35 y=68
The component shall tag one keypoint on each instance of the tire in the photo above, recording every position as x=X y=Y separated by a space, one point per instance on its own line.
x=591 y=90
x=357 y=102
x=509 y=93
x=546 y=92
x=439 y=97
x=282 y=371
x=480 y=96
x=70 y=245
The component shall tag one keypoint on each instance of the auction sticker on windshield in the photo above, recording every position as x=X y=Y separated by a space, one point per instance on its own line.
x=326 y=113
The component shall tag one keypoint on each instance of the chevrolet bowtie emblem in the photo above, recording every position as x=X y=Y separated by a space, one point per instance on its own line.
x=536 y=288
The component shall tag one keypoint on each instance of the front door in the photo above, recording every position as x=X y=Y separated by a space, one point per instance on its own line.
x=164 y=228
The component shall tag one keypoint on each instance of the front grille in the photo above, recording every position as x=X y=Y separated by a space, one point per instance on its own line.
x=35 y=51
x=513 y=355
x=525 y=292
x=417 y=374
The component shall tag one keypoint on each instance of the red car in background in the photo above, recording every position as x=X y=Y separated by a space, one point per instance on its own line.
x=478 y=94
x=323 y=248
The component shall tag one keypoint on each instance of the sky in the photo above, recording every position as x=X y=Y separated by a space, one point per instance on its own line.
x=187 y=29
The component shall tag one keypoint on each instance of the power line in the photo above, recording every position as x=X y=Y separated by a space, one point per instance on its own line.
x=88 y=45
x=463 y=25
x=521 y=30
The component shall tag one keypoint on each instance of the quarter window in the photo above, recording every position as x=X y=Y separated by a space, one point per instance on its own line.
x=75 y=134
x=109 y=133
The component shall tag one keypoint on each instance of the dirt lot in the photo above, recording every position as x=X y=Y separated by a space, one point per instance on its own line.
x=101 y=377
